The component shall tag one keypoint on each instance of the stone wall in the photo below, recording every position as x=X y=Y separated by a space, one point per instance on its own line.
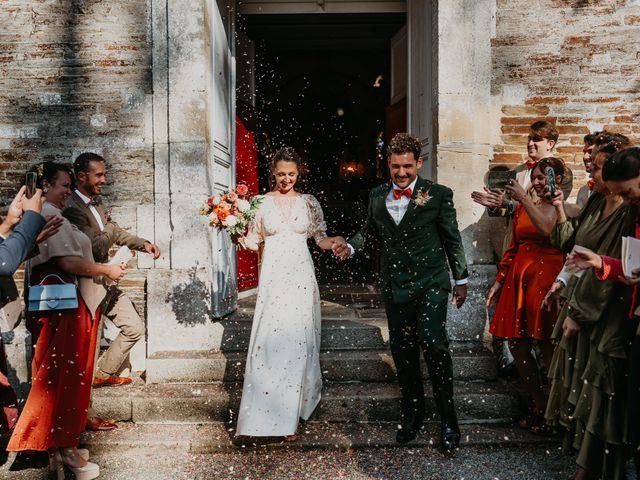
x=76 y=76
x=575 y=63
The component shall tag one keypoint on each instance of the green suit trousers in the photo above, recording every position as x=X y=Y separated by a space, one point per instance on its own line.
x=420 y=326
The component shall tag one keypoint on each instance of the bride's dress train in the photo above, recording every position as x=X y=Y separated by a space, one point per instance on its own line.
x=282 y=380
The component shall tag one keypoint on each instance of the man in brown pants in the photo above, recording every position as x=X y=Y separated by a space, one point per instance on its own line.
x=85 y=210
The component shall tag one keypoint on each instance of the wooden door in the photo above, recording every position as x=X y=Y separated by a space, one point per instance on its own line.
x=419 y=79
x=221 y=148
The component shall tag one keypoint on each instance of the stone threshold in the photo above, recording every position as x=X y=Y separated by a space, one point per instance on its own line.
x=218 y=437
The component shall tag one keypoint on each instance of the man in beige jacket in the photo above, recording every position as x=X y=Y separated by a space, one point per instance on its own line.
x=86 y=211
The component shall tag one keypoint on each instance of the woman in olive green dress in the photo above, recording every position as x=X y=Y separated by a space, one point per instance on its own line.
x=587 y=371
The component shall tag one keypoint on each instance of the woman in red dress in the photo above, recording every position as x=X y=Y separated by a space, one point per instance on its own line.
x=527 y=269
x=62 y=370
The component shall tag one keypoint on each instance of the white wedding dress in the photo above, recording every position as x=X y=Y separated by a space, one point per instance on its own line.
x=282 y=380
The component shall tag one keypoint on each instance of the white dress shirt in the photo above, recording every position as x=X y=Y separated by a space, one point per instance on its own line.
x=93 y=209
x=397 y=208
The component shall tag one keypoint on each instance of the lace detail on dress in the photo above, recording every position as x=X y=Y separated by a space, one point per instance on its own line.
x=255 y=232
x=285 y=206
x=317 y=225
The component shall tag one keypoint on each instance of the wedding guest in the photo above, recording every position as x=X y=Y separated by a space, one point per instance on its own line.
x=527 y=269
x=56 y=408
x=18 y=233
x=543 y=137
x=614 y=349
x=607 y=144
x=282 y=380
x=86 y=211
x=587 y=150
x=592 y=311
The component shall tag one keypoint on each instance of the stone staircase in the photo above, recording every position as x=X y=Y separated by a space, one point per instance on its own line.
x=204 y=387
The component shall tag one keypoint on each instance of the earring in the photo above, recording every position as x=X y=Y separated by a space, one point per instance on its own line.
x=45 y=190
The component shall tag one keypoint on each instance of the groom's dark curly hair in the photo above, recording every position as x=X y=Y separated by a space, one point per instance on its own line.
x=402 y=143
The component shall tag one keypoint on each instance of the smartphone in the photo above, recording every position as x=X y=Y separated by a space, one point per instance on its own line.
x=551 y=181
x=498 y=179
x=30 y=181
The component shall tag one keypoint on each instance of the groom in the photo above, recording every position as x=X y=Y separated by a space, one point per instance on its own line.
x=415 y=222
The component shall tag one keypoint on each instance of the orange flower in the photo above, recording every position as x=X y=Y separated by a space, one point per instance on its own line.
x=242 y=189
x=221 y=213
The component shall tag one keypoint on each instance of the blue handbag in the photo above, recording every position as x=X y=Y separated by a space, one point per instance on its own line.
x=57 y=296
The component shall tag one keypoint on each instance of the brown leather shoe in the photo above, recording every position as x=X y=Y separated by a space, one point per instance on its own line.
x=111 y=380
x=96 y=424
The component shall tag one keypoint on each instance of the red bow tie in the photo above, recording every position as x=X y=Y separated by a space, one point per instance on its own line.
x=531 y=163
x=397 y=193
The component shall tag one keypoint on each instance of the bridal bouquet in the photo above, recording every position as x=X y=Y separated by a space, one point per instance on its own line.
x=232 y=211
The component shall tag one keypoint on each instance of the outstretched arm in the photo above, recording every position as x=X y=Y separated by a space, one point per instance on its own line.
x=17 y=245
x=358 y=241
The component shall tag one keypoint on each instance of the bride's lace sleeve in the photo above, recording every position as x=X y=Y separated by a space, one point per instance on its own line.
x=255 y=232
x=317 y=225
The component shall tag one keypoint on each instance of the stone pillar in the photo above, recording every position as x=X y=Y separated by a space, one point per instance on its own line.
x=180 y=137
x=189 y=86
x=466 y=120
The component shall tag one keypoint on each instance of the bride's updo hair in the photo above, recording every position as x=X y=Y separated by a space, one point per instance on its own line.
x=287 y=154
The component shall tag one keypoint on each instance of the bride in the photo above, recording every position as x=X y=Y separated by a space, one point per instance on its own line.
x=282 y=379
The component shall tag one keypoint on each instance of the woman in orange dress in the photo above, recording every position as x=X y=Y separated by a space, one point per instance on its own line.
x=62 y=369
x=526 y=272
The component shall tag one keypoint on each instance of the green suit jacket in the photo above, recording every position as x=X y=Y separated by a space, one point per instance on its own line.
x=415 y=253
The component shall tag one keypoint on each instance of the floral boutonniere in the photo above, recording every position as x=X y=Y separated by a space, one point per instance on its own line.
x=107 y=214
x=421 y=198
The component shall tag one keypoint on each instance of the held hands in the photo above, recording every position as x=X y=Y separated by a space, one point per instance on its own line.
x=633 y=280
x=115 y=272
x=515 y=191
x=581 y=260
x=459 y=295
x=489 y=198
x=54 y=222
x=34 y=203
x=153 y=249
x=340 y=248
x=494 y=293
x=556 y=200
x=18 y=206
x=570 y=327
x=552 y=297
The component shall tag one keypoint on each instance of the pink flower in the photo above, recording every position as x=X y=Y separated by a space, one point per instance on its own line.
x=213 y=200
x=232 y=197
x=242 y=190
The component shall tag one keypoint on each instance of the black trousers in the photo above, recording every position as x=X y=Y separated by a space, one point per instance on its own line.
x=419 y=327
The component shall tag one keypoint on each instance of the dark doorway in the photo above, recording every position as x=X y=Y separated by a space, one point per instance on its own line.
x=322 y=85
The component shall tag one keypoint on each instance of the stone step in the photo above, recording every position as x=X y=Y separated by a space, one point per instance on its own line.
x=337 y=334
x=217 y=437
x=341 y=402
x=337 y=366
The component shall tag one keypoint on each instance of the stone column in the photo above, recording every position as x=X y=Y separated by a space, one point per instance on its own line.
x=466 y=120
x=179 y=289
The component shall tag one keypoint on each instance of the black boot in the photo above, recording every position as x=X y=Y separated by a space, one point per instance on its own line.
x=409 y=428
x=450 y=433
